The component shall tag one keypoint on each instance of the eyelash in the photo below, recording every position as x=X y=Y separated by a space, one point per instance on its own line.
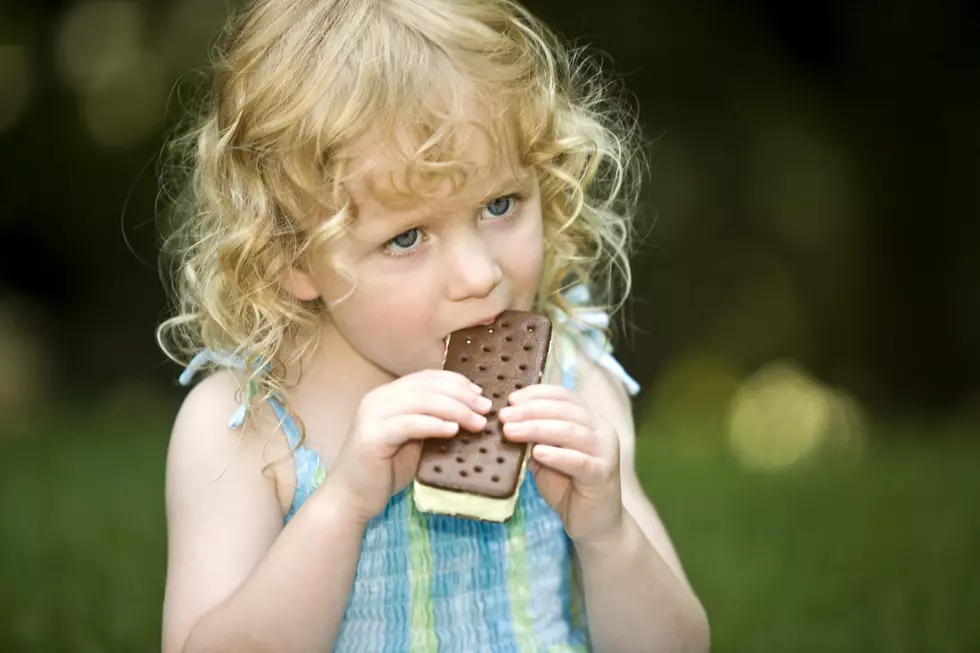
x=518 y=199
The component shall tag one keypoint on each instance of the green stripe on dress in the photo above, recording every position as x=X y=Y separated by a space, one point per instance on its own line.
x=518 y=582
x=423 y=620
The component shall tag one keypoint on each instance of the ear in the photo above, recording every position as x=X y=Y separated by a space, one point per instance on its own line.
x=300 y=285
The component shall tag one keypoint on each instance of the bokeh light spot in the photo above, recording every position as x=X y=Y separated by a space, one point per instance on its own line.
x=15 y=85
x=693 y=393
x=129 y=108
x=848 y=431
x=26 y=372
x=778 y=416
x=98 y=43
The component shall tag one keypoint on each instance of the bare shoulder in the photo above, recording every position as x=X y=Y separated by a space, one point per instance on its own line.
x=200 y=436
x=222 y=508
x=203 y=447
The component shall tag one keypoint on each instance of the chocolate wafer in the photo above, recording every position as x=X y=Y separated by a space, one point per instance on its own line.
x=478 y=475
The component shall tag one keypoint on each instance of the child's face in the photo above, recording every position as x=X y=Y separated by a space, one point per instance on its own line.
x=424 y=271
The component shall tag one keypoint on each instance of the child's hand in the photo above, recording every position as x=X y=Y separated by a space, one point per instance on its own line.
x=381 y=452
x=575 y=458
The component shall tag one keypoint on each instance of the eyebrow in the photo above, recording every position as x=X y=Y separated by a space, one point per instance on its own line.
x=510 y=184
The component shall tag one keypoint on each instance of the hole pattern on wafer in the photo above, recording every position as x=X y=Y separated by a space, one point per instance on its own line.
x=498 y=363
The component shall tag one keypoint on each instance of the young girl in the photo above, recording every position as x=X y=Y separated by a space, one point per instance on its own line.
x=371 y=176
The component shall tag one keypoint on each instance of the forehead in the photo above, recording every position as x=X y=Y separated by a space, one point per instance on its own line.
x=471 y=165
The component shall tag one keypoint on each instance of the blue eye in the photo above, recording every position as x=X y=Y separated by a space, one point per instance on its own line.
x=501 y=206
x=405 y=241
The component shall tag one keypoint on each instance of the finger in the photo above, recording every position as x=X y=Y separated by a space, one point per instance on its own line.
x=424 y=377
x=456 y=387
x=547 y=409
x=554 y=432
x=543 y=391
x=438 y=405
x=585 y=469
x=402 y=428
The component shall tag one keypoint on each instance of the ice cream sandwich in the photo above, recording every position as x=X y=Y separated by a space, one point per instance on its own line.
x=479 y=475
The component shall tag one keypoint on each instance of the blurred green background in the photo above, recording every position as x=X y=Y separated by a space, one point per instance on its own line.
x=805 y=318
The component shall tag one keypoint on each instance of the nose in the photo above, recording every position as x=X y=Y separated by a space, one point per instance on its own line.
x=473 y=270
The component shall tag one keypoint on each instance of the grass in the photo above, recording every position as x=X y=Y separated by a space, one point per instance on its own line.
x=876 y=554
x=879 y=553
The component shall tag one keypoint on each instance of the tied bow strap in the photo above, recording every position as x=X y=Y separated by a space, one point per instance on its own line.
x=585 y=330
x=207 y=357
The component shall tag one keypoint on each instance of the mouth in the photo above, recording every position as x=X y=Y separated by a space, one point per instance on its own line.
x=487 y=321
x=484 y=322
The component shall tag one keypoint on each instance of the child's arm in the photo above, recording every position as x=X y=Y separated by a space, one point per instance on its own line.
x=636 y=595
x=636 y=590
x=237 y=580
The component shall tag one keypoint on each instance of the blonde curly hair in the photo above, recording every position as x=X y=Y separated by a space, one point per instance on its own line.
x=298 y=85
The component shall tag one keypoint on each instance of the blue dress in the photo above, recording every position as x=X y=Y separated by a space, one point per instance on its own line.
x=432 y=583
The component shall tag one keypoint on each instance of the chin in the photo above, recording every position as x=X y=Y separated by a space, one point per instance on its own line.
x=429 y=360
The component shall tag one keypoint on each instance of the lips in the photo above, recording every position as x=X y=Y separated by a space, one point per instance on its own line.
x=487 y=321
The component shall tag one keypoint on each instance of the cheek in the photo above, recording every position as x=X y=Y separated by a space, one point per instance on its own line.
x=523 y=263
x=387 y=317
x=395 y=305
x=522 y=256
